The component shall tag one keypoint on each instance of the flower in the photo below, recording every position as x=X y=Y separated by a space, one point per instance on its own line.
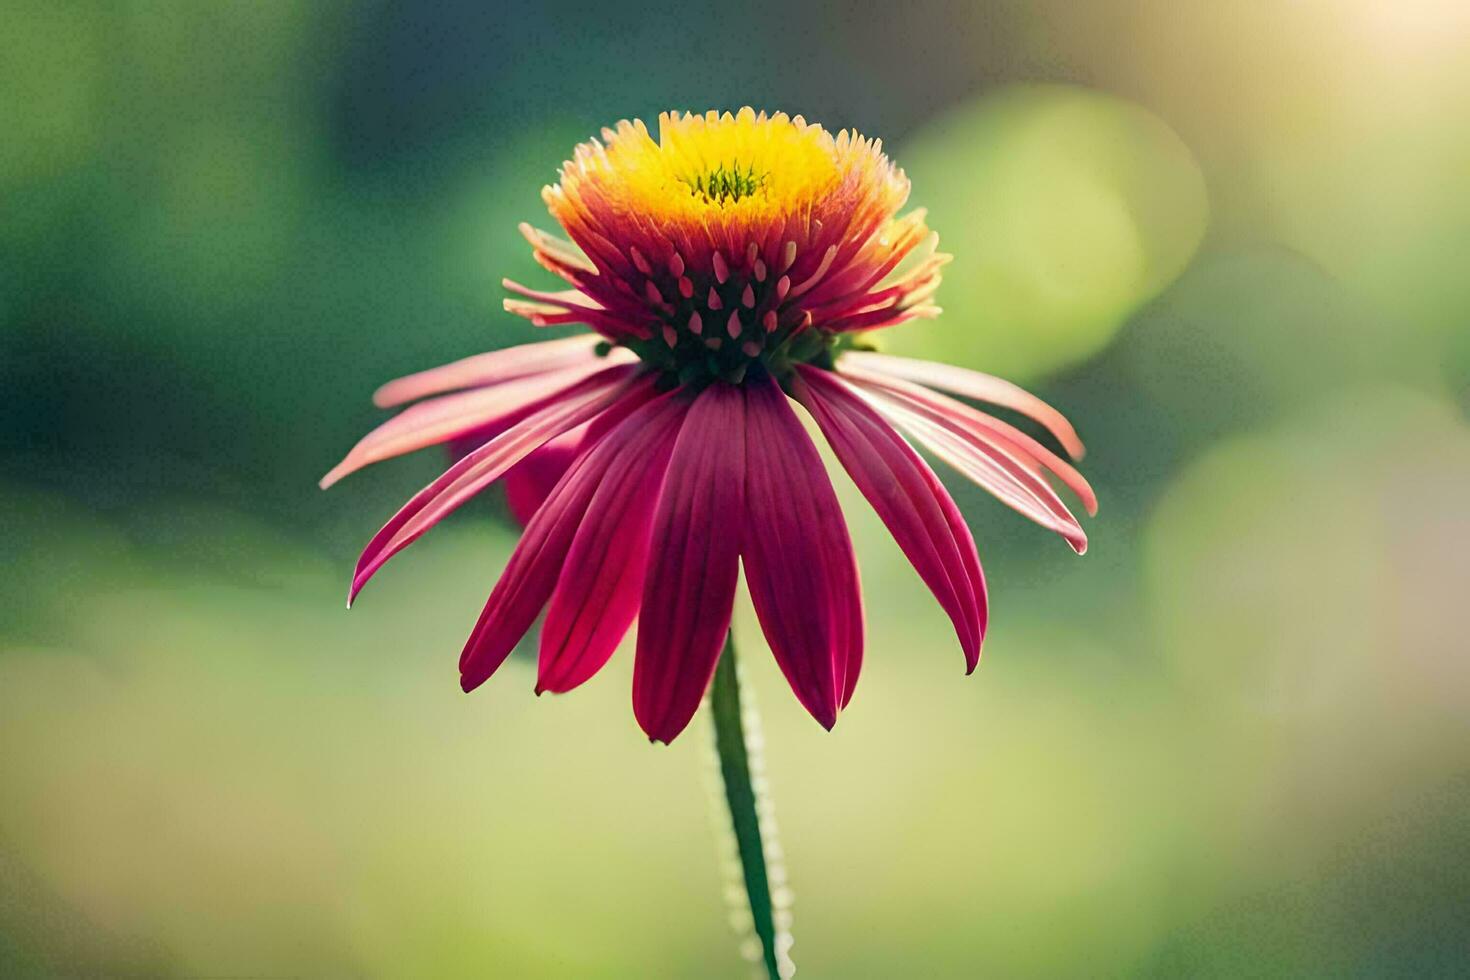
x=727 y=268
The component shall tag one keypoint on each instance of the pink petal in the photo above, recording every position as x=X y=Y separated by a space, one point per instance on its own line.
x=690 y=588
x=985 y=427
x=798 y=558
x=497 y=366
x=541 y=554
x=447 y=418
x=529 y=482
x=918 y=511
x=983 y=461
x=601 y=582
x=619 y=387
x=971 y=384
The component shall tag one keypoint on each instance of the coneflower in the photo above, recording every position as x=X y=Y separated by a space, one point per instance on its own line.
x=727 y=269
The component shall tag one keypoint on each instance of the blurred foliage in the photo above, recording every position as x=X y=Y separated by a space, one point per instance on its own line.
x=1227 y=239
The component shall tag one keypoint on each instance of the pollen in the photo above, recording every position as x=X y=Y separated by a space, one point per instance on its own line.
x=725 y=184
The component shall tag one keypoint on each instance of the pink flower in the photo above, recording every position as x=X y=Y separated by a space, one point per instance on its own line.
x=728 y=268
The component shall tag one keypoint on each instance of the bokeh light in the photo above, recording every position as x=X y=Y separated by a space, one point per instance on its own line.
x=1065 y=209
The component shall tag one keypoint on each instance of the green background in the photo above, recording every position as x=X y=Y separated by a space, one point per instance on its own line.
x=1231 y=241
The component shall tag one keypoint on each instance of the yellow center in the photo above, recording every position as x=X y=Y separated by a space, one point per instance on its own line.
x=748 y=166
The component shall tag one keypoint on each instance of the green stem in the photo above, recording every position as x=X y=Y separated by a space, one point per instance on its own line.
x=734 y=751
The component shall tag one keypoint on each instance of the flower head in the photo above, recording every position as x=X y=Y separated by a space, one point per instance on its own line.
x=730 y=241
x=726 y=268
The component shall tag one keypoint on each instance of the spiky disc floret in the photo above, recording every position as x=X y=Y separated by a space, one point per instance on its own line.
x=731 y=241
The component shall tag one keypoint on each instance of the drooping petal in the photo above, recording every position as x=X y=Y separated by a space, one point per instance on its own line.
x=799 y=562
x=541 y=554
x=617 y=389
x=908 y=497
x=529 y=482
x=451 y=416
x=695 y=554
x=971 y=384
x=982 y=426
x=601 y=581
x=982 y=460
x=530 y=575
x=498 y=366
